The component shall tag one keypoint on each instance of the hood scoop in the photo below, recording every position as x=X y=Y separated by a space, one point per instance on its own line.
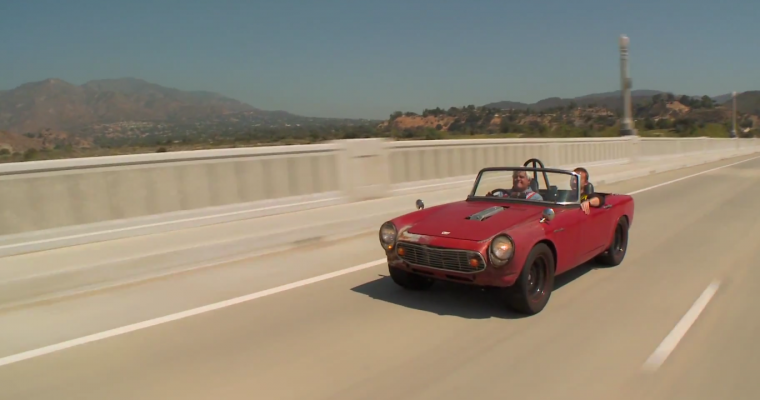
x=485 y=214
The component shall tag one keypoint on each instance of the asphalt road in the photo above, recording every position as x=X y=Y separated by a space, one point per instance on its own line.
x=358 y=336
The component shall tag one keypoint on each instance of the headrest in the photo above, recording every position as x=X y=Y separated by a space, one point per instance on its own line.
x=589 y=188
x=534 y=185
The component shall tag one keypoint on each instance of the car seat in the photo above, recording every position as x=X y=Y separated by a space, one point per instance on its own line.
x=553 y=192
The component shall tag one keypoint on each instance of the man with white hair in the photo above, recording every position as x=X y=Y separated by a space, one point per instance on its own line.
x=520 y=188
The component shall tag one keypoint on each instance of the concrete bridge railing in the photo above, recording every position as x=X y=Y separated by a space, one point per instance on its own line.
x=81 y=197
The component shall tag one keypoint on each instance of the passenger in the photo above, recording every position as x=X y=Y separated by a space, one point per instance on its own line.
x=588 y=197
x=520 y=188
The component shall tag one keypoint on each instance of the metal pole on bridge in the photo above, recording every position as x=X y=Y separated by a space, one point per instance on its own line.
x=626 y=124
x=733 y=116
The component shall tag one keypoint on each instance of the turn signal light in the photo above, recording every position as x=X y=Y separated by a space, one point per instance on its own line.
x=401 y=252
x=474 y=262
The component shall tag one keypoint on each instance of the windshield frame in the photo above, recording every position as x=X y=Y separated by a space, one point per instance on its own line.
x=536 y=171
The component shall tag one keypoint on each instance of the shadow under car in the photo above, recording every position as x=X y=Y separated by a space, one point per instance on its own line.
x=457 y=299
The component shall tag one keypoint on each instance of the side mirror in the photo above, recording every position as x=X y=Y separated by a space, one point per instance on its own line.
x=420 y=204
x=547 y=215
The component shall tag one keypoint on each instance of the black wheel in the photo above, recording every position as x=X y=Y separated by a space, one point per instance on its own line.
x=533 y=288
x=410 y=281
x=615 y=254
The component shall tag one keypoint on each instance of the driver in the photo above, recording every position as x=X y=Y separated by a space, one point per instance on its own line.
x=520 y=188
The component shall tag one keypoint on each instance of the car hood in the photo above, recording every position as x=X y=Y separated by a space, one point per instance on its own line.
x=470 y=220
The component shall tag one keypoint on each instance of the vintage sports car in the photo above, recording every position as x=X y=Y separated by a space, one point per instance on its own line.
x=516 y=230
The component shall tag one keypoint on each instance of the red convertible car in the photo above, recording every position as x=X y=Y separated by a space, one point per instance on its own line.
x=516 y=230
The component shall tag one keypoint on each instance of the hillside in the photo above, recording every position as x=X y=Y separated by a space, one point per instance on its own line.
x=132 y=112
x=609 y=100
x=748 y=102
x=592 y=115
x=12 y=142
x=58 y=105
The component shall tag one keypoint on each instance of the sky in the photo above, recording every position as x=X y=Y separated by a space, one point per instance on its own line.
x=367 y=59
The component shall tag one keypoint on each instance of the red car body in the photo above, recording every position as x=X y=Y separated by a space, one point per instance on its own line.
x=443 y=244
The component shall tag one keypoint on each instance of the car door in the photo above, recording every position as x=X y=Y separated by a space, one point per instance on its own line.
x=566 y=232
x=596 y=230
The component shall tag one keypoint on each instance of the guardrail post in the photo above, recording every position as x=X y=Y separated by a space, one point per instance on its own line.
x=634 y=142
x=363 y=168
x=554 y=158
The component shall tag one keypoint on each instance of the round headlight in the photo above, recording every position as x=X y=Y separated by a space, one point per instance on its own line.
x=502 y=250
x=388 y=235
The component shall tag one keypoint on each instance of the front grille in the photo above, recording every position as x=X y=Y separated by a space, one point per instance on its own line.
x=438 y=258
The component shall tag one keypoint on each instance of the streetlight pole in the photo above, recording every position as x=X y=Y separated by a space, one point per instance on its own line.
x=626 y=124
x=733 y=116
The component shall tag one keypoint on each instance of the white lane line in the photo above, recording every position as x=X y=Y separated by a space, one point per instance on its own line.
x=181 y=315
x=691 y=176
x=227 y=303
x=670 y=342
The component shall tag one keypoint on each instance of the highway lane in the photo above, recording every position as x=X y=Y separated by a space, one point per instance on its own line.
x=359 y=336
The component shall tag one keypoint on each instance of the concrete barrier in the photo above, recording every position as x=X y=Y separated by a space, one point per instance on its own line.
x=48 y=204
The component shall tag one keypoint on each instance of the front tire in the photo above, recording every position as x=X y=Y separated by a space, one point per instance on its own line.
x=410 y=281
x=615 y=254
x=533 y=288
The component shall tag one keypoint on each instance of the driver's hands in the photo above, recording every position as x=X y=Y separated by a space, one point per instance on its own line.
x=586 y=207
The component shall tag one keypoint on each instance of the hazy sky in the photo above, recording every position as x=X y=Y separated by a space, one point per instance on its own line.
x=363 y=58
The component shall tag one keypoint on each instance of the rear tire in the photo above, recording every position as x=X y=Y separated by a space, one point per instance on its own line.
x=533 y=288
x=410 y=281
x=615 y=254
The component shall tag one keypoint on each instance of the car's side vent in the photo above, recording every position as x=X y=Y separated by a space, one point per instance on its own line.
x=487 y=213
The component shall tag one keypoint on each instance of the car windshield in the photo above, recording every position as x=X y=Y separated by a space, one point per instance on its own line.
x=527 y=184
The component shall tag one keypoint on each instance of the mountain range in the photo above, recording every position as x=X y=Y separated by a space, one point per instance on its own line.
x=54 y=104
x=608 y=100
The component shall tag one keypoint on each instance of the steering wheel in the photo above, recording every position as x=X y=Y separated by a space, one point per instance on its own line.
x=507 y=193
x=500 y=192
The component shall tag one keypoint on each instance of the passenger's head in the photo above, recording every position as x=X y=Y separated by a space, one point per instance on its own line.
x=521 y=180
x=584 y=178
x=584 y=175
